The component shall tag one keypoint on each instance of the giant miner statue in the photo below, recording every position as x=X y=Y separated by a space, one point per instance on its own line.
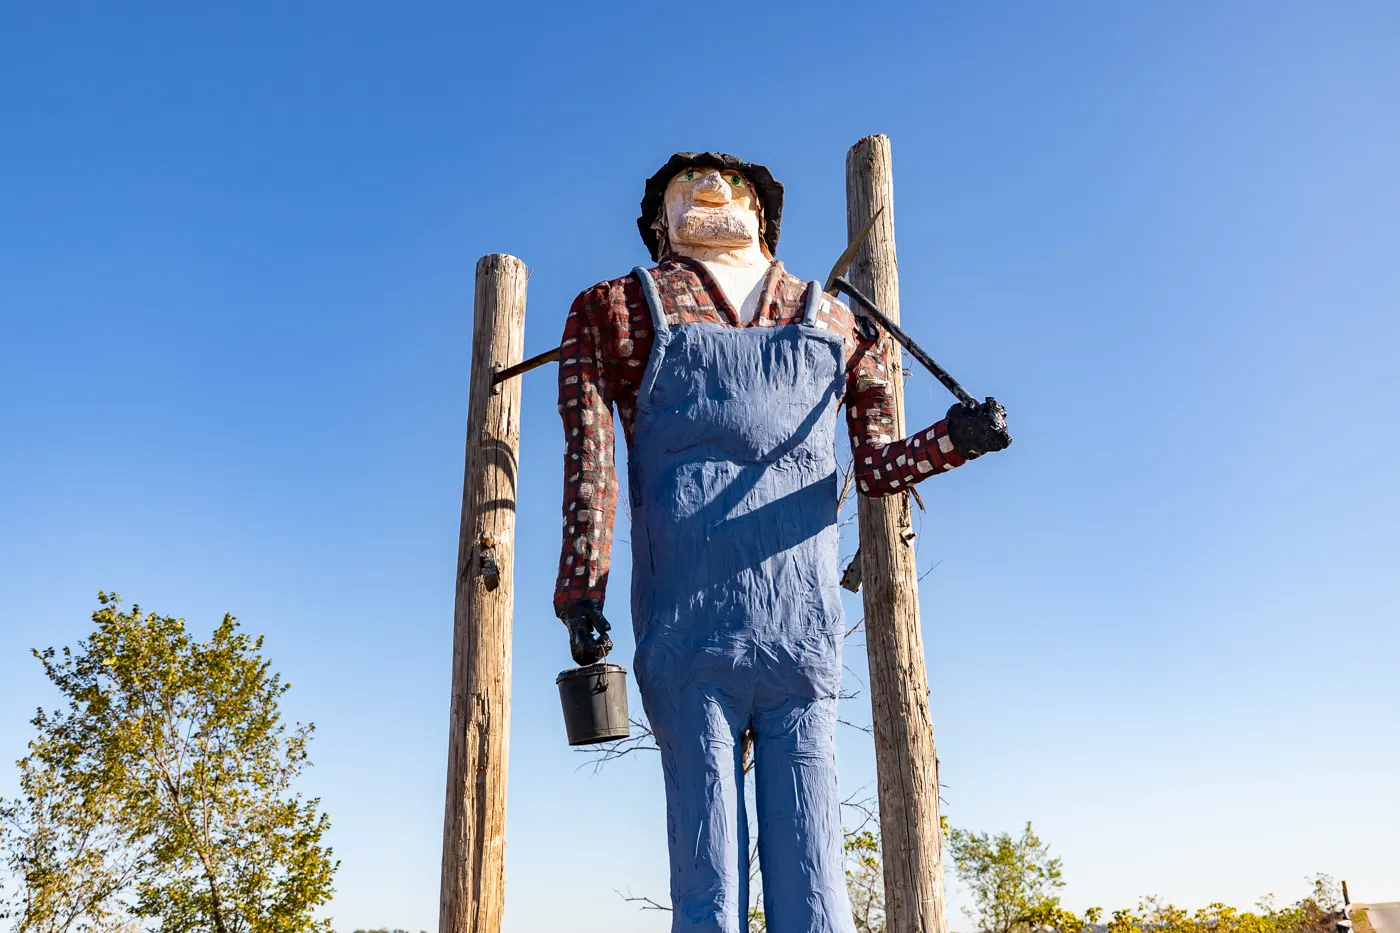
x=727 y=373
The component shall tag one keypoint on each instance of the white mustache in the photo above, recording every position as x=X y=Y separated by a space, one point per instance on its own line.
x=728 y=224
x=698 y=217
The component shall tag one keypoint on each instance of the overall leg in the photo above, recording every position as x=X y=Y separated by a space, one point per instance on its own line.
x=801 y=848
x=698 y=730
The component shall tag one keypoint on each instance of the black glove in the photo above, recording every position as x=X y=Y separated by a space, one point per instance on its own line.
x=978 y=428
x=583 y=617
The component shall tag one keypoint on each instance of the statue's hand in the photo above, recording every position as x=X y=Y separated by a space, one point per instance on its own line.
x=584 y=617
x=978 y=428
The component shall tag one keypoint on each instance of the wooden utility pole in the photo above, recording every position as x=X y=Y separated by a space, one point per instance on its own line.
x=474 y=825
x=905 y=760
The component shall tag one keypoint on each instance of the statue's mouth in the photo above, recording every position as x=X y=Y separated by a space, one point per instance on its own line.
x=713 y=224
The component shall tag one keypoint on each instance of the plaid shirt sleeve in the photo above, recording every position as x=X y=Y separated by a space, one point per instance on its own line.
x=883 y=465
x=590 y=480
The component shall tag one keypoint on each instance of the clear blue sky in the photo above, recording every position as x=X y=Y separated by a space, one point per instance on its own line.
x=236 y=255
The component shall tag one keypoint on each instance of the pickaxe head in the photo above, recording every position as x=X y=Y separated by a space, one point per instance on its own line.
x=843 y=264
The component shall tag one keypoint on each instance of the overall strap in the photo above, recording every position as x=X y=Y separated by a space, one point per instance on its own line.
x=814 y=303
x=661 y=333
x=659 y=325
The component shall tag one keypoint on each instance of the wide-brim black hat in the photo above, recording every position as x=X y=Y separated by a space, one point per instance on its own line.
x=769 y=189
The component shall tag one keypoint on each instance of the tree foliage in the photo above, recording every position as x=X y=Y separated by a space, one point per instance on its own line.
x=1011 y=880
x=1013 y=883
x=1316 y=913
x=865 y=880
x=161 y=795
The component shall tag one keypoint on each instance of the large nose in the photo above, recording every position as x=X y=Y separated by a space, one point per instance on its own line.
x=712 y=189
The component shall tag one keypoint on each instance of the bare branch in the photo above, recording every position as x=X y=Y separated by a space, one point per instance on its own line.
x=641 y=740
x=847 y=472
x=865 y=807
x=646 y=902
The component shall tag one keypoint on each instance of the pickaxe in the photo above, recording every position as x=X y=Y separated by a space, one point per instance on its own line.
x=835 y=282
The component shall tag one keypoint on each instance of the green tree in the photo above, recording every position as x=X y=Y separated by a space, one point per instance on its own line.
x=1012 y=880
x=161 y=795
x=1317 y=913
x=865 y=880
x=1013 y=884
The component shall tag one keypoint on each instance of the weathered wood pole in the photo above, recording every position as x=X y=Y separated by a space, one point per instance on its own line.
x=474 y=824
x=905 y=760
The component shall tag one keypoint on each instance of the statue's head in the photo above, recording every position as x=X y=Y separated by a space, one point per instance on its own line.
x=710 y=200
x=709 y=207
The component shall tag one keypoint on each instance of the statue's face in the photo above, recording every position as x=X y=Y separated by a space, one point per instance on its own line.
x=711 y=207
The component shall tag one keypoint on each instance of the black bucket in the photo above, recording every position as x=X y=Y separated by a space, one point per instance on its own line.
x=595 y=703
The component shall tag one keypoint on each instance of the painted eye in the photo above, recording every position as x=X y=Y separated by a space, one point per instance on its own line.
x=736 y=180
x=688 y=176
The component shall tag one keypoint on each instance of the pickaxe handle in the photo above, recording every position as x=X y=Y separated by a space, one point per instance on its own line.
x=917 y=352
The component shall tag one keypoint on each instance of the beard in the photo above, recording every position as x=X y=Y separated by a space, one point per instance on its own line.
x=714 y=226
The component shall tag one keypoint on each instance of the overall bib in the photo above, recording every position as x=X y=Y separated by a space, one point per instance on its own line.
x=735 y=606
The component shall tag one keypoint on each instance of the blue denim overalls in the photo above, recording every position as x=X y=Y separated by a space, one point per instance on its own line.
x=737 y=614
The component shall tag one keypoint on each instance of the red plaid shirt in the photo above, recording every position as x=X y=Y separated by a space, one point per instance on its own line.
x=607 y=341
